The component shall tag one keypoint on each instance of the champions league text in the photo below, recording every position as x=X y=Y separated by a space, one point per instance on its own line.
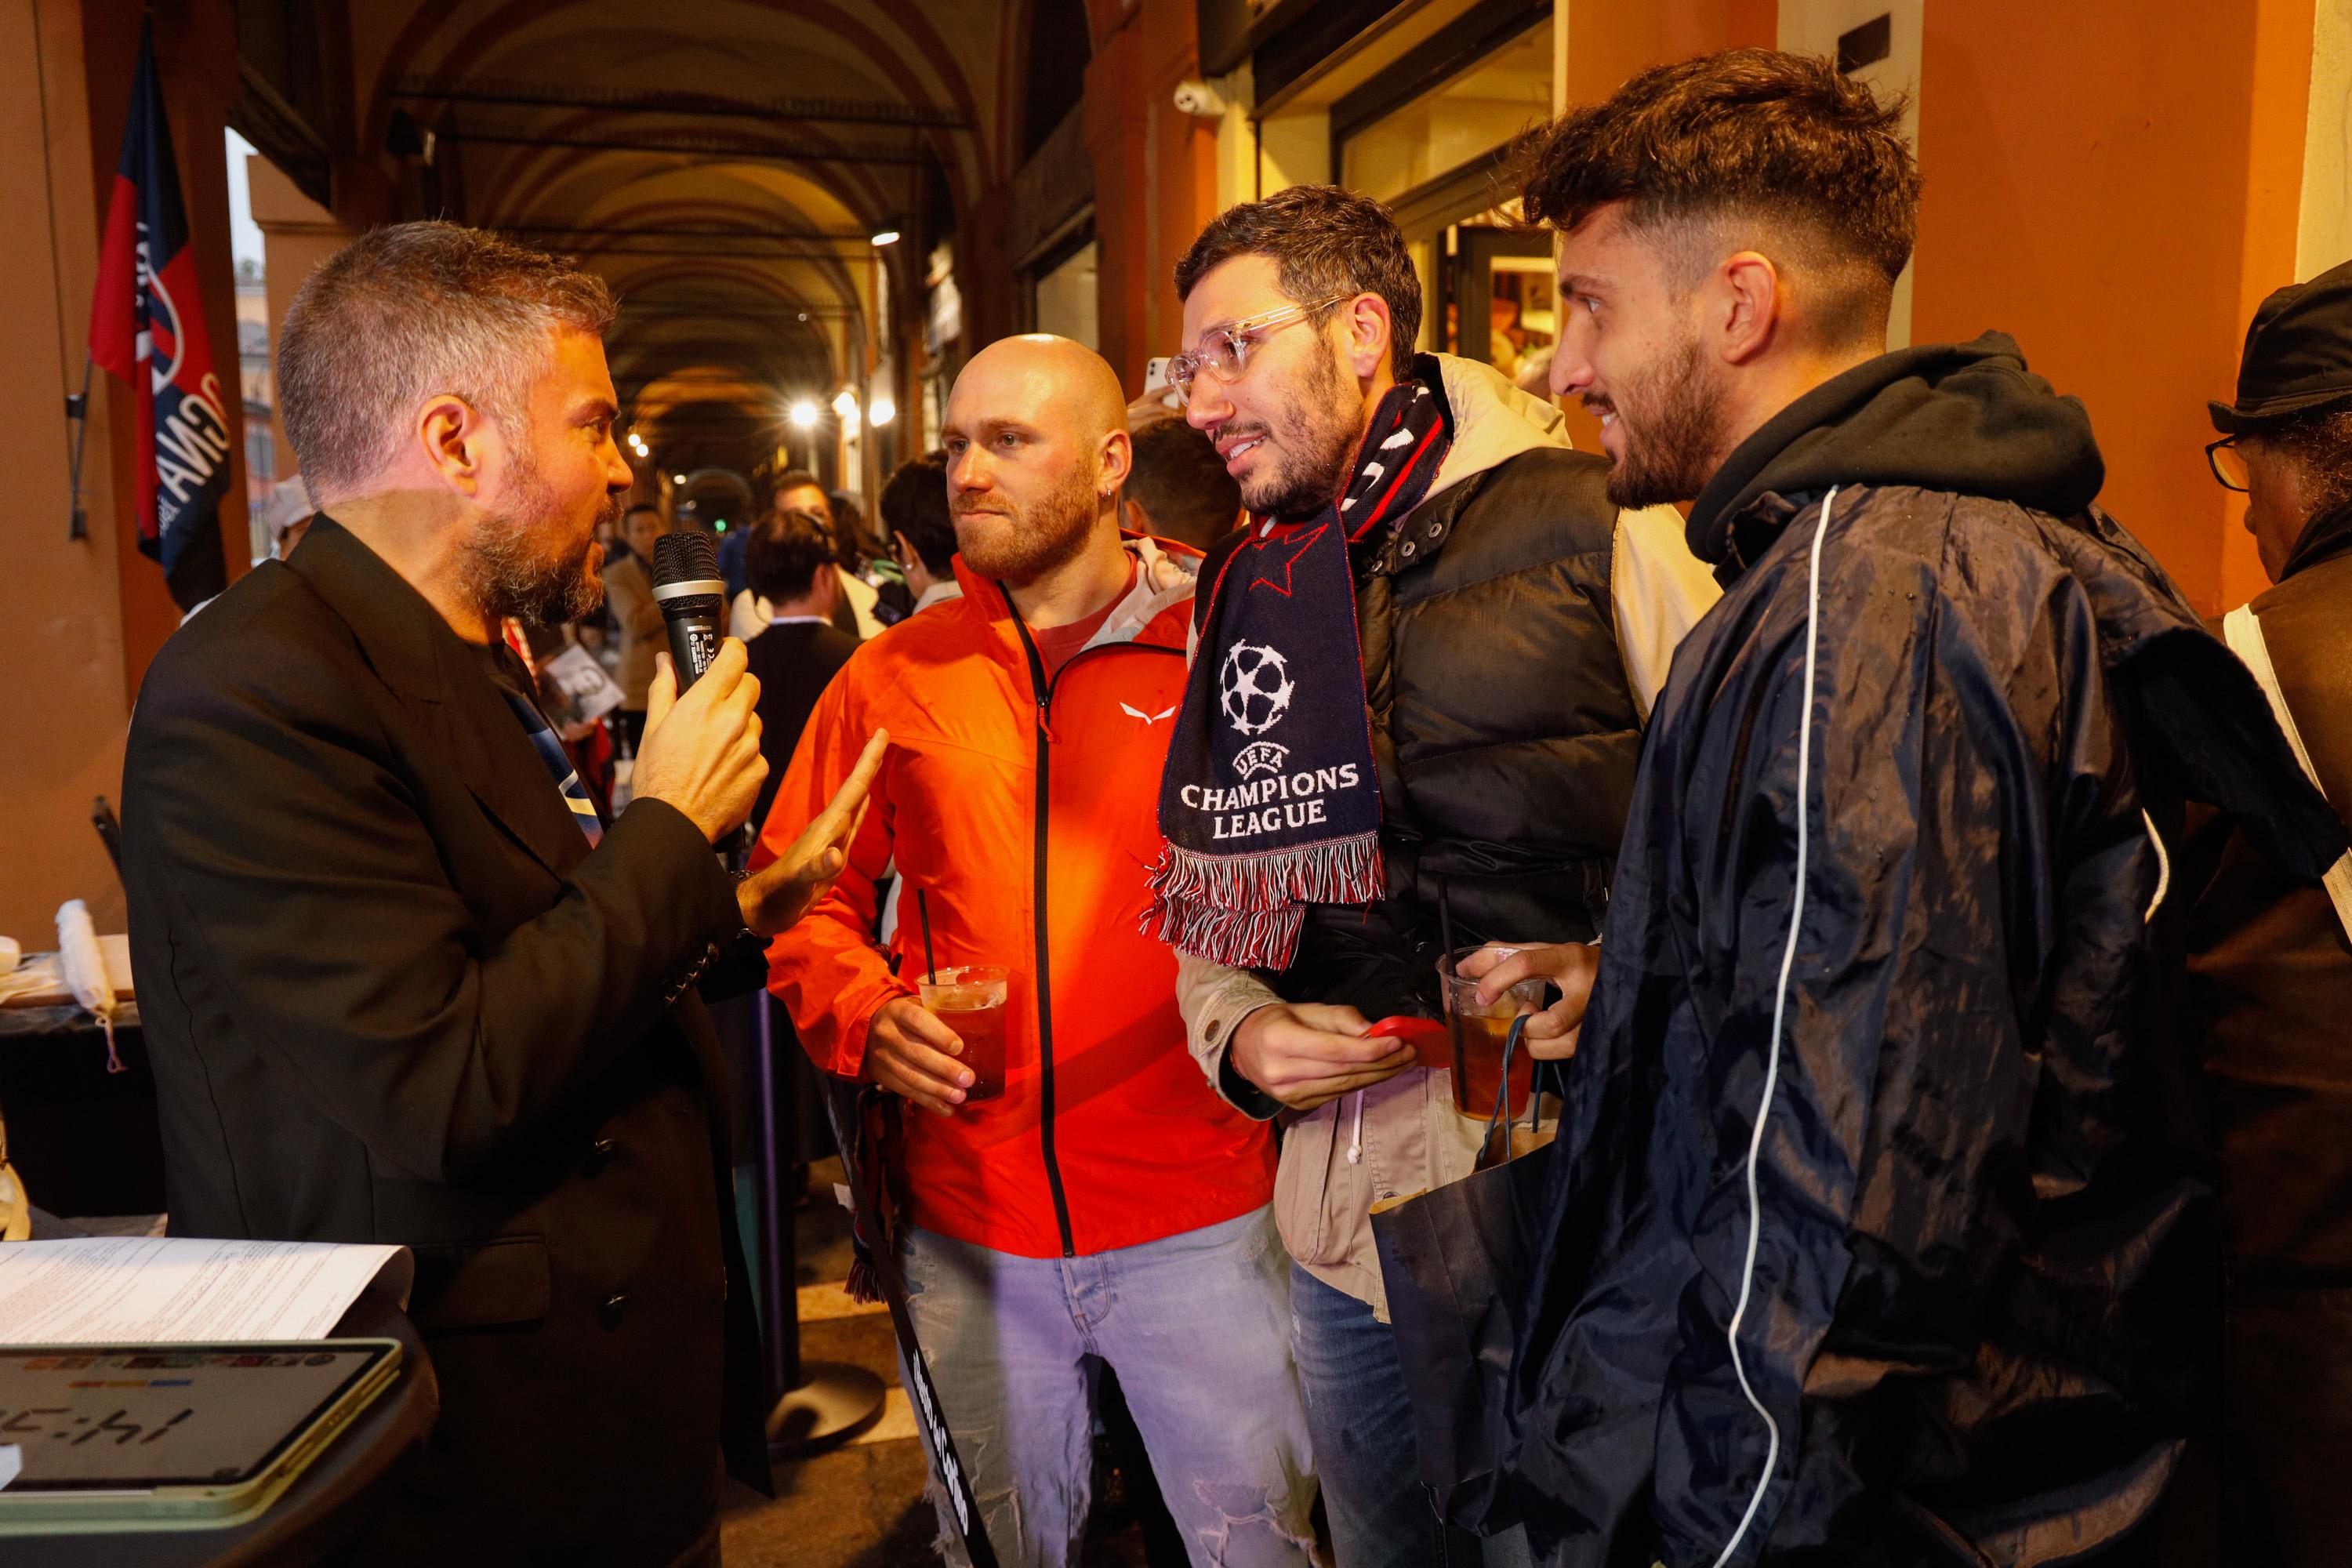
x=1269 y=805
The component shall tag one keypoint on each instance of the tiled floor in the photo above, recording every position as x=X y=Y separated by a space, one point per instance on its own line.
x=860 y=1504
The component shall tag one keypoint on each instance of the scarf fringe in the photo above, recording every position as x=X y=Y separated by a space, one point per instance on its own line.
x=1348 y=871
x=1257 y=939
x=1246 y=910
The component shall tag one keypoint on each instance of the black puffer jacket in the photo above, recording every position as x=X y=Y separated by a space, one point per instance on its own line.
x=1984 y=1262
x=1502 y=722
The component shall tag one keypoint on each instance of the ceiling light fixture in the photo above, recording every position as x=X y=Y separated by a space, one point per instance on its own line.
x=885 y=237
x=883 y=412
x=803 y=414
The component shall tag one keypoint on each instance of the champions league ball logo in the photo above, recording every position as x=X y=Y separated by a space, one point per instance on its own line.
x=1254 y=687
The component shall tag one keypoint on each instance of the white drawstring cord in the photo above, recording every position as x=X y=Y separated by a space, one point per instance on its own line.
x=2163 y=868
x=1356 y=1144
x=1780 y=1008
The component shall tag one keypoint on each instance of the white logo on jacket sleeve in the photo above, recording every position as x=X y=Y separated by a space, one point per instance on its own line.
x=1149 y=718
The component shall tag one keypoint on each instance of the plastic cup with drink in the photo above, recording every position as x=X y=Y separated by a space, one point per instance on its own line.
x=969 y=999
x=1479 y=1034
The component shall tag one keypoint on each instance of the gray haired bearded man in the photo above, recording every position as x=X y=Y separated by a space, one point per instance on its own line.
x=401 y=983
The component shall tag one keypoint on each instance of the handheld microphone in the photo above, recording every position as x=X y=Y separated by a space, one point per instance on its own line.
x=693 y=599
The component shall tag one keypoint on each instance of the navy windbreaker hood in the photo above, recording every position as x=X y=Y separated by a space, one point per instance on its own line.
x=1985 y=1277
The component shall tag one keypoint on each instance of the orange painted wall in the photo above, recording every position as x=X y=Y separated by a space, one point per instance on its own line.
x=2116 y=182
x=60 y=614
x=1607 y=43
x=80 y=619
x=1155 y=179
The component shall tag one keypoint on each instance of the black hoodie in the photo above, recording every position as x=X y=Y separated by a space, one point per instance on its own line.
x=1964 y=418
x=1984 y=1271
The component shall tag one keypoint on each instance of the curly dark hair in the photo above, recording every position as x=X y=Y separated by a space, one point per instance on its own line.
x=1731 y=143
x=1323 y=241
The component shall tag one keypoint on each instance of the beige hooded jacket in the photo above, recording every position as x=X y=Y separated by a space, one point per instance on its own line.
x=1403 y=1136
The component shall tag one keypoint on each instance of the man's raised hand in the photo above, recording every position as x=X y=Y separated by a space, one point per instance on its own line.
x=778 y=893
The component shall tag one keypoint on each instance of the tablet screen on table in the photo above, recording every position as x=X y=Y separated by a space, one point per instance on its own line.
x=91 y=1417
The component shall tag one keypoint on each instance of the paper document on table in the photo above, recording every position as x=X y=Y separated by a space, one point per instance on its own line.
x=109 y=1290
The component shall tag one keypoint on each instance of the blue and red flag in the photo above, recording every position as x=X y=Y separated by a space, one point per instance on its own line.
x=147 y=329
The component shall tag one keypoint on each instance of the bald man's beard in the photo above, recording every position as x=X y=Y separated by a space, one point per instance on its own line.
x=523 y=560
x=1003 y=541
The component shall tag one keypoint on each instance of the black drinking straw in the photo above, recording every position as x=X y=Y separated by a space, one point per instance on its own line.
x=923 y=915
x=1445 y=995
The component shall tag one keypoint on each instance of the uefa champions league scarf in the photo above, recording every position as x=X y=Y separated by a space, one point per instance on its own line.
x=1271 y=801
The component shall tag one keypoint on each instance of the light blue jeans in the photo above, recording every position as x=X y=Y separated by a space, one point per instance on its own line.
x=1198 y=1327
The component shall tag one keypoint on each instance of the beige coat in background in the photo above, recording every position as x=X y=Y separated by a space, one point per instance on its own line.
x=629 y=600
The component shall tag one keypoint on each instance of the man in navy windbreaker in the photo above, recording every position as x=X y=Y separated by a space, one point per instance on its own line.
x=1878 y=1230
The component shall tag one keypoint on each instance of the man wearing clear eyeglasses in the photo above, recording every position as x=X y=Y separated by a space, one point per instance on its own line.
x=1418 y=695
x=2270 y=953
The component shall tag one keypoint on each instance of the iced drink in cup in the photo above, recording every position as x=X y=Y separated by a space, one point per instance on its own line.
x=969 y=999
x=1480 y=1033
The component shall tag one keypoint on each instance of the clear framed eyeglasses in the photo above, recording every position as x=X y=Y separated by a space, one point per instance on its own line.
x=1224 y=352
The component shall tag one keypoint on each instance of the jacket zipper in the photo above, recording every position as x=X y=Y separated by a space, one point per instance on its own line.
x=1045 y=690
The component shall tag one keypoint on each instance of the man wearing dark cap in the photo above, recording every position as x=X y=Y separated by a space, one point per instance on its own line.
x=2270 y=965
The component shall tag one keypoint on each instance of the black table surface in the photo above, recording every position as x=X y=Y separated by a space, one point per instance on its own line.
x=328 y=1503
x=88 y=1141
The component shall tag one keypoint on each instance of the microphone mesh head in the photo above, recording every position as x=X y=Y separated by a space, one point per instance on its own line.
x=686 y=555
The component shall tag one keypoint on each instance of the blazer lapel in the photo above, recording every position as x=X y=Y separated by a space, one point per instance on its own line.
x=441 y=678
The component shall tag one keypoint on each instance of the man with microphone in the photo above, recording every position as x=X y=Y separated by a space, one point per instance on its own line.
x=401 y=983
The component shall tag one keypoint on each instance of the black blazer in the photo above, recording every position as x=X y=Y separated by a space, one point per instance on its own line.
x=391 y=995
x=795 y=663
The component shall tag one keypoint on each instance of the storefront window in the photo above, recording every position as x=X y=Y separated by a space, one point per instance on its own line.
x=1066 y=294
x=1464 y=119
x=1521 y=323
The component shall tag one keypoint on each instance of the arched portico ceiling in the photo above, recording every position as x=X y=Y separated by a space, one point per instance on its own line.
x=869 y=81
x=722 y=163
x=711 y=420
x=724 y=486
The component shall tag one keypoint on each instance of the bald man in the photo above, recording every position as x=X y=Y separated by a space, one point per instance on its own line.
x=1076 y=1193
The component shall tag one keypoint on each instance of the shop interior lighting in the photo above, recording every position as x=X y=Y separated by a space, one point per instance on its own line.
x=803 y=414
x=883 y=412
x=885 y=237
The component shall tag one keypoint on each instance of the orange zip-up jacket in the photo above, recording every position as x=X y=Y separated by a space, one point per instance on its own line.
x=1028 y=816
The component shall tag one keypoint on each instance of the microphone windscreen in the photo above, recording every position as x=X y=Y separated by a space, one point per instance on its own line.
x=686 y=555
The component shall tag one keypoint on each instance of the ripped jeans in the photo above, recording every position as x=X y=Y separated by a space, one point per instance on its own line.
x=1198 y=1327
